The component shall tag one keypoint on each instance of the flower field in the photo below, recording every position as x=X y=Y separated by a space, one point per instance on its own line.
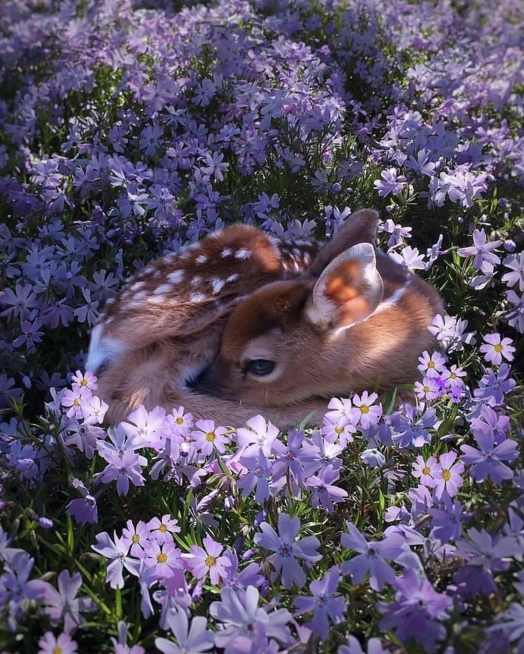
x=130 y=128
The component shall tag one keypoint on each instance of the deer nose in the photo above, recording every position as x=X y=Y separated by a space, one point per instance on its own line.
x=208 y=381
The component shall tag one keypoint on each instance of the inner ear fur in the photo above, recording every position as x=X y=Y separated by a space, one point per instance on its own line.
x=348 y=290
x=360 y=227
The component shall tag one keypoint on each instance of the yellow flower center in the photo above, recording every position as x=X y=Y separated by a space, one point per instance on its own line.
x=339 y=430
x=498 y=347
x=446 y=475
x=364 y=409
x=426 y=389
x=162 y=529
x=83 y=382
x=210 y=561
x=57 y=650
x=431 y=364
x=426 y=470
x=136 y=538
x=76 y=402
x=161 y=558
x=210 y=436
x=453 y=375
x=180 y=421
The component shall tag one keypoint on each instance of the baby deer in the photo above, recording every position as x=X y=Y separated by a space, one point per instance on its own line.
x=164 y=327
x=354 y=320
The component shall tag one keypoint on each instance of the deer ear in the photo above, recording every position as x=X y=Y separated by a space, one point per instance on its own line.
x=348 y=290
x=360 y=227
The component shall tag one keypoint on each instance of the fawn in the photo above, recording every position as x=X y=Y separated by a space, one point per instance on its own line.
x=354 y=320
x=163 y=328
x=239 y=324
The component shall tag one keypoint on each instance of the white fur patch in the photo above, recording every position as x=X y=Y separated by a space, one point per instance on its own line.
x=103 y=349
x=202 y=258
x=226 y=252
x=242 y=254
x=176 y=276
x=232 y=277
x=197 y=297
x=161 y=290
x=217 y=284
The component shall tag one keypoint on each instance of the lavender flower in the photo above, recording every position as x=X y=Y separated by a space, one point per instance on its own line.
x=206 y=561
x=63 y=604
x=63 y=643
x=416 y=612
x=245 y=623
x=371 y=558
x=287 y=549
x=324 y=605
x=193 y=639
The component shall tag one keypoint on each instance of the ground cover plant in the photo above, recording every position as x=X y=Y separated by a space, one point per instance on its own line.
x=129 y=128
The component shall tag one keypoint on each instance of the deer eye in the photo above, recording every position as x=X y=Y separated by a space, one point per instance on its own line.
x=260 y=367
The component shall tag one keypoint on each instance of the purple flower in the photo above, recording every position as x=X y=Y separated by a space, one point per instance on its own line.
x=494 y=385
x=162 y=530
x=490 y=422
x=371 y=557
x=245 y=624
x=324 y=605
x=487 y=460
x=431 y=365
x=85 y=510
x=447 y=521
x=208 y=561
x=365 y=411
x=15 y=587
x=63 y=604
x=416 y=612
x=207 y=437
x=448 y=475
x=484 y=554
x=163 y=558
x=325 y=493
x=136 y=538
x=121 y=646
x=117 y=554
x=425 y=470
x=20 y=302
x=449 y=331
x=260 y=435
x=515 y=316
x=287 y=549
x=481 y=250
x=257 y=476
x=391 y=182
x=125 y=469
x=516 y=264
x=193 y=639
x=495 y=348
x=63 y=643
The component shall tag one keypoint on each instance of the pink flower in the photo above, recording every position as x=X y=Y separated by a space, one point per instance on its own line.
x=495 y=348
x=448 y=475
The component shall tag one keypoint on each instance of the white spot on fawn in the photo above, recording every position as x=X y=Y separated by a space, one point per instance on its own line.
x=202 y=258
x=176 y=276
x=217 y=284
x=197 y=297
x=102 y=349
x=164 y=288
x=232 y=278
x=226 y=252
x=243 y=254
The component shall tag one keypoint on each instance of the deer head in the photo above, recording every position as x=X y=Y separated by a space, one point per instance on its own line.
x=354 y=320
